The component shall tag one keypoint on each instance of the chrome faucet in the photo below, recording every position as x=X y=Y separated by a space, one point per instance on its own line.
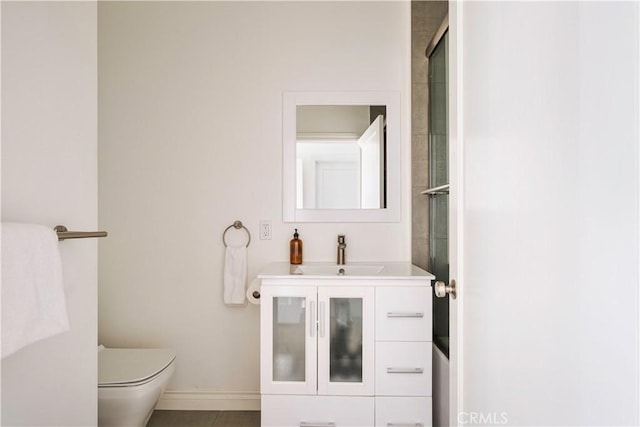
x=341 y=249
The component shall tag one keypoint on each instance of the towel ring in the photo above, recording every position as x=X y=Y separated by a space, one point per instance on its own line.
x=237 y=225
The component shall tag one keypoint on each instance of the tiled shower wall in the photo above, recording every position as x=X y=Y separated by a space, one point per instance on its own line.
x=426 y=17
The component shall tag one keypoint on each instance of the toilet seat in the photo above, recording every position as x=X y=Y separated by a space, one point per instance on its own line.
x=129 y=367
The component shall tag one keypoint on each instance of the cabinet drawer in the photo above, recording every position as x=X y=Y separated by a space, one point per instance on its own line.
x=403 y=411
x=403 y=368
x=317 y=411
x=403 y=314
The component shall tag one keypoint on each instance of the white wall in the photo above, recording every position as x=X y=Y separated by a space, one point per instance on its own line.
x=549 y=290
x=190 y=99
x=340 y=119
x=49 y=176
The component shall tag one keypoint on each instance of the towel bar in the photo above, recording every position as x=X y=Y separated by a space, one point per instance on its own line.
x=237 y=225
x=63 y=233
x=436 y=191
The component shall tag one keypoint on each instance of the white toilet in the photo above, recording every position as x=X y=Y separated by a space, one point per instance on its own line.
x=130 y=383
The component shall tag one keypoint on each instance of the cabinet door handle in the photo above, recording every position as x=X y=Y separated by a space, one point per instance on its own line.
x=320 y=424
x=405 y=370
x=405 y=425
x=321 y=316
x=312 y=319
x=404 y=314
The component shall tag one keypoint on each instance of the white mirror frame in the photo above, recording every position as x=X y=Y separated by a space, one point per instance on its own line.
x=290 y=101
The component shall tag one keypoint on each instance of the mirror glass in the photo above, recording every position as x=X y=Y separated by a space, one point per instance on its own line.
x=341 y=156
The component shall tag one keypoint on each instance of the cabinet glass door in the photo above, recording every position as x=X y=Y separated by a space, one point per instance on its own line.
x=289 y=321
x=288 y=329
x=345 y=340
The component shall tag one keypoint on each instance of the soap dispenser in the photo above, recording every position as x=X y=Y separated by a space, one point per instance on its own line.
x=295 y=249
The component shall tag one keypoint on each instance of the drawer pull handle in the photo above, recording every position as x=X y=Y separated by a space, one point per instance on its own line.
x=405 y=425
x=313 y=424
x=405 y=370
x=404 y=314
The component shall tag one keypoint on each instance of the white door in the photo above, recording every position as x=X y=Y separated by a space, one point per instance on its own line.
x=337 y=185
x=372 y=165
x=544 y=134
x=456 y=192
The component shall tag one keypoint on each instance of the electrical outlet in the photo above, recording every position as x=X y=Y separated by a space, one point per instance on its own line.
x=265 y=229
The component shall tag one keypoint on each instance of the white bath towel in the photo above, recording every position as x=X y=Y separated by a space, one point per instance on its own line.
x=235 y=274
x=33 y=301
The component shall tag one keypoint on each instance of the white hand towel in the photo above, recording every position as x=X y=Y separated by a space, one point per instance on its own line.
x=235 y=274
x=33 y=301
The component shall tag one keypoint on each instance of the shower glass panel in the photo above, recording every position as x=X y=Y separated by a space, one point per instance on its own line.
x=345 y=346
x=439 y=176
x=289 y=339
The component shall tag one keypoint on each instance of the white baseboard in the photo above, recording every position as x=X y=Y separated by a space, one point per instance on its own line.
x=209 y=400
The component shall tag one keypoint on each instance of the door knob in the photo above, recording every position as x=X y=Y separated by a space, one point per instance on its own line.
x=441 y=289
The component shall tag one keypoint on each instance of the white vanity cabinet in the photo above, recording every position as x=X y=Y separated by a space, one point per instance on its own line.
x=345 y=351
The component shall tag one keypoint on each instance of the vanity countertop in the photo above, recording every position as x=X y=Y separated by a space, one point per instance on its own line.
x=355 y=270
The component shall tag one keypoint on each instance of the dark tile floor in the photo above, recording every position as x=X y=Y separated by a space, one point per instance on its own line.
x=204 y=419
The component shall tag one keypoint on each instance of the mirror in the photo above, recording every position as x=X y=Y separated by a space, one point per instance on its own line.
x=341 y=157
